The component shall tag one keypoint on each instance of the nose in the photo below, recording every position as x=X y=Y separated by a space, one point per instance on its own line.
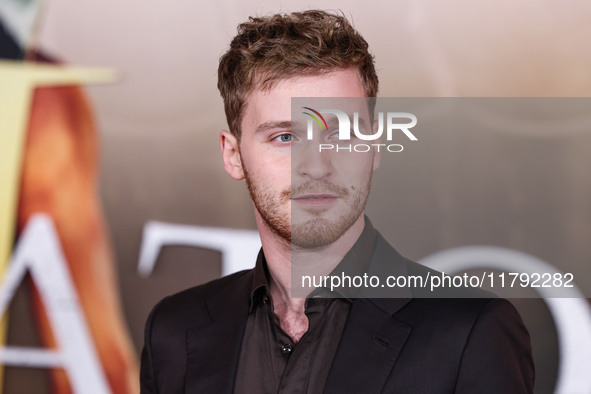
x=308 y=162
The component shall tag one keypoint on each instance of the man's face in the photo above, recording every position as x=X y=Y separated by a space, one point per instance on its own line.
x=303 y=196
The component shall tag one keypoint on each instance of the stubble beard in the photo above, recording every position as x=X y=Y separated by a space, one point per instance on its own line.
x=307 y=233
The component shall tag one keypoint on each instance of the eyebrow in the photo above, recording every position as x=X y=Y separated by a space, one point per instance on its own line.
x=333 y=121
x=285 y=124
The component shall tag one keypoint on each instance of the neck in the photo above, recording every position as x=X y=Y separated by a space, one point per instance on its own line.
x=280 y=255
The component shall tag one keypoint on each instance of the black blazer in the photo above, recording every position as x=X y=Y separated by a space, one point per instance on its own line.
x=389 y=345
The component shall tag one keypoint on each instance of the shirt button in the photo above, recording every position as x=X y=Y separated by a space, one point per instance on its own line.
x=287 y=348
x=265 y=300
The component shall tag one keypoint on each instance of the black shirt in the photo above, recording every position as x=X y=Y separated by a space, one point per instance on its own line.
x=270 y=361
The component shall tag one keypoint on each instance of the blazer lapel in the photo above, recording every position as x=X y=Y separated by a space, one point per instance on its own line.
x=373 y=337
x=370 y=345
x=214 y=347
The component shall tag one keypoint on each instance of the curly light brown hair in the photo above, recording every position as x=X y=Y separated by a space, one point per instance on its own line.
x=272 y=48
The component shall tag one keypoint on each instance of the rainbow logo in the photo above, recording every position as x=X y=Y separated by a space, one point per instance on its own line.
x=315 y=118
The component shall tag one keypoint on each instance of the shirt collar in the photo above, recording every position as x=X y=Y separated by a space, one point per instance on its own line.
x=260 y=281
x=354 y=263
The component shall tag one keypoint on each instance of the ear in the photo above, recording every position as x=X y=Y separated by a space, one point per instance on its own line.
x=377 y=155
x=231 y=155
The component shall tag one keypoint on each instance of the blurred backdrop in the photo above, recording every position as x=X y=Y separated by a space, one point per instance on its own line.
x=105 y=159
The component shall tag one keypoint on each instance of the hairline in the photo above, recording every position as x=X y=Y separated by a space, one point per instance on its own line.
x=269 y=84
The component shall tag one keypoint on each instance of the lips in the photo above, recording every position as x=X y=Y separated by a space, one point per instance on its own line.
x=314 y=196
x=315 y=200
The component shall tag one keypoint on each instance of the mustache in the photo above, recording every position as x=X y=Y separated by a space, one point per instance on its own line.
x=314 y=187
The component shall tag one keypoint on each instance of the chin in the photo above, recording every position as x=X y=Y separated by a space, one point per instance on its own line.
x=319 y=232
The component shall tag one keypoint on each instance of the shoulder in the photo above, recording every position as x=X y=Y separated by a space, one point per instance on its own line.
x=470 y=345
x=483 y=334
x=190 y=305
x=421 y=281
x=445 y=307
x=206 y=290
x=461 y=314
x=164 y=354
x=497 y=354
x=463 y=304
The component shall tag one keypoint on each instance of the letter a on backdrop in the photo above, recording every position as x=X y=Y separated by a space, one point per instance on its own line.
x=38 y=252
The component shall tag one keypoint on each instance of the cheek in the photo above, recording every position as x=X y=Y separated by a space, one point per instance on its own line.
x=267 y=166
x=262 y=155
x=269 y=176
x=357 y=180
x=355 y=166
x=272 y=172
x=279 y=178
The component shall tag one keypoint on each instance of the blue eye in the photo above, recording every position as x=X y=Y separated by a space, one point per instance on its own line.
x=285 y=137
x=333 y=135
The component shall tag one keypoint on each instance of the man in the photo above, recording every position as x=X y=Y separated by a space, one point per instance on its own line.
x=245 y=333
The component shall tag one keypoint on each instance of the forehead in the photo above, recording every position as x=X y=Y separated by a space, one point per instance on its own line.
x=274 y=104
